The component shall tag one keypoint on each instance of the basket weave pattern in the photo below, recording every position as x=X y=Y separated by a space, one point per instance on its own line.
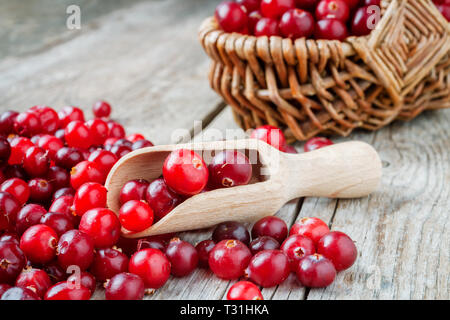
x=310 y=87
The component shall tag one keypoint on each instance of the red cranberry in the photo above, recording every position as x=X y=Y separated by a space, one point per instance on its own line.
x=68 y=158
x=339 y=248
x=229 y=258
x=40 y=190
x=10 y=237
x=352 y=3
x=99 y=131
x=63 y=192
x=5 y=150
x=77 y=135
x=102 y=225
x=67 y=291
x=101 y=109
x=275 y=8
x=297 y=247
x=47 y=117
x=231 y=230
x=185 y=172
x=12 y=261
x=39 y=243
x=150 y=243
x=330 y=29
x=34 y=279
x=133 y=190
x=444 y=9
x=316 y=143
x=58 y=178
x=75 y=248
x=51 y=144
x=36 y=162
x=3 y=288
x=161 y=199
x=270 y=226
x=244 y=290
x=309 y=5
x=135 y=137
x=253 y=18
x=229 y=168
x=7 y=119
x=360 y=23
x=266 y=27
x=27 y=124
x=28 y=216
x=9 y=206
x=17 y=188
x=231 y=16
x=313 y=228
x=263 y=243
x=269 y=268
x=16 y=293
x=271 y=135
x=250 y=5
x=297 y=23
x=116 y=130
x=373 y=2
x=136 y=215
x=120 y=150
x=107 y=263
x=60 y=135
x=104 y=159
x=141 y=144
x=89 y=196
x=125 y=286
x=336 y=9
x=15 y=171
x=55 y=272
x=84 y=279
x=152 y=266
x=63 y=205
x=204 y=249
x=182 y=256
x=123 y=142
x=19 y=146
x=59 y=222
x=86 y=171
x=69 y=114
x=315 y=271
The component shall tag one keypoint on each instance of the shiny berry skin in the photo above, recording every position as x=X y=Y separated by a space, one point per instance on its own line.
x=55 y=272
x=9 y=207
x=231 y=16
x=373 y=2
x=296 y=247
x=78 y=135
x=136 y=215
x=104 y=159
x=89 y=195
x=185 y=172
x=120 y=150
x=5 y=150
x=19 y=146
x=12 y=261
x=75 y=248
x=17 y=293
x=69 y=191
x=63 y=205
x=27 y=124
x=51 y=144
x=231 y=230
x=161 y=198
x=270 y=135
x=152 y=266
x=330 y=29
x=444 y=9
x=59 y=222
x=250 y=5
x=270 y=226
x=10 y=237
x=67 y=291
x=125 y=286
x=133 y=190
x=315 y=271
x=84 y=279
x=182 y=256
x=102 y=225
x=313 y=228
x=244 y=290
x=40 y=190
x=204 y=249
x=263 y=243
x=69 y=114
x=36 y=162
x=316 y=143
x=253 y=18
x=99 y=131
x=86 y=171
x=229 y=168
x=336 y=9
x=68 y=158
x=150 y=243
x=266 y=27
x=17 y=188
x=34 y=279
x=141 y=144
x=59 y=178
x=297 y=23
x=101 y=109
x=107 y=263
x=339 y=248
x=360 y=25
x=7 y=119
x=269 y=268
x=48 y=118
x=28 y=216
x=135 y=137
x=275 y=8
x=352 y=3
x=3 y=288
x=116 y=130
x=39 y=243
x=229 y=258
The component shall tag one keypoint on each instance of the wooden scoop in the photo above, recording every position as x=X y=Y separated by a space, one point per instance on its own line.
x=345 y=170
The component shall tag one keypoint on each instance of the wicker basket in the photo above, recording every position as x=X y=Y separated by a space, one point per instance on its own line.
x=311 y=87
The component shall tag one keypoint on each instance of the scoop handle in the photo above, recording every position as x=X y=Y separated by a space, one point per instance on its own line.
x=344 y=170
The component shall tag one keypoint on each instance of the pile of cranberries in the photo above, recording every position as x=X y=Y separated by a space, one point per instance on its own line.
x=318 y=19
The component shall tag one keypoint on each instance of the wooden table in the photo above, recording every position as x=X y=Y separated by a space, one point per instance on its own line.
x=143 y=57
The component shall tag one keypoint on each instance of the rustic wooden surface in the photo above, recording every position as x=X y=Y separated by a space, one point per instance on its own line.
x=144 y=58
